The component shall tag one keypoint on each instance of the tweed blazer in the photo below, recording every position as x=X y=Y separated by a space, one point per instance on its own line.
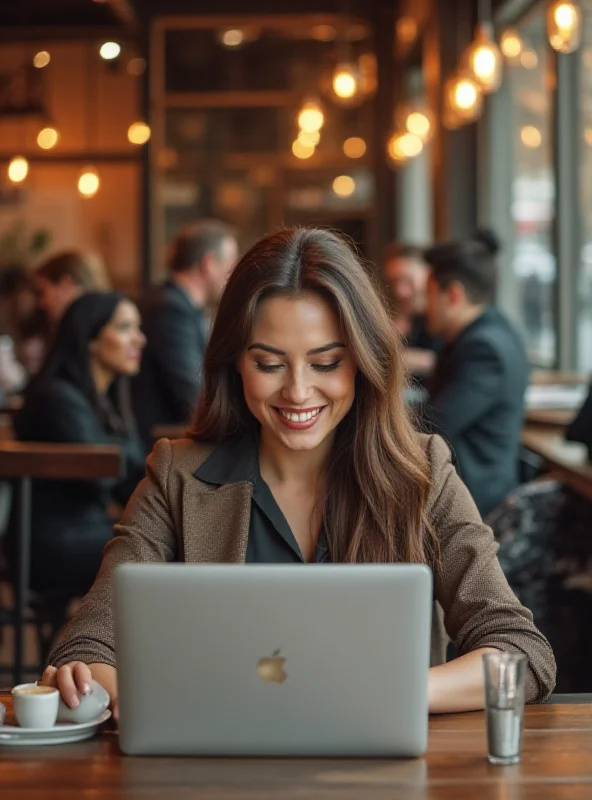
x=173 y=516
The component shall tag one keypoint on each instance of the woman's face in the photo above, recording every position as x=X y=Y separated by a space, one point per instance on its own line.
x=298 y=376
x=118 y=347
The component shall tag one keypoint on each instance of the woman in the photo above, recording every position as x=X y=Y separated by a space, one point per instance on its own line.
x=98 y=342
x=302 y=451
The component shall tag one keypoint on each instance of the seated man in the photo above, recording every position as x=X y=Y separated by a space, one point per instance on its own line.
x=476 y=396
x=175 y=322
x=406 y=273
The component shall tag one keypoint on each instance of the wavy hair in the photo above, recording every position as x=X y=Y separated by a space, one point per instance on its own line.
x=377 y=477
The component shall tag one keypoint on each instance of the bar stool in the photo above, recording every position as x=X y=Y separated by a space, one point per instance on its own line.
x=23 y=462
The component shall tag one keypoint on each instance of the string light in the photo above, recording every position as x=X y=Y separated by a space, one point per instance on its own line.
x=354 y=147
x=403 y=145
x=564 y=25
x=309 y=138
x=47 y=138
x=311 y=117
x=138 y=133
x=89 y=182
x=344 y=186
x=531 y=137
x=110 y=50
x=529 y=59
x=18 y=169
x=406 y=30
x=301 y=150
x=347 y=84
x=462 y=96
x=419 y=123
x=137 y=66
x=233 y=37
x=41 y=59
x=484 y=59
x=511 y=44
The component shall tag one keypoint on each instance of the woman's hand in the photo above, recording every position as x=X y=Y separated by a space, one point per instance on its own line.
x=76 y=677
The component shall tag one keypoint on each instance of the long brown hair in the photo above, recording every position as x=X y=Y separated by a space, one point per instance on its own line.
x=377 y=478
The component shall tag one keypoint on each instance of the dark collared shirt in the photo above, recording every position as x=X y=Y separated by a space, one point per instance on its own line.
x=271 y=540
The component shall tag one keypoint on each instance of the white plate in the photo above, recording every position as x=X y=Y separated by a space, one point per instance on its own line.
x=61 y=733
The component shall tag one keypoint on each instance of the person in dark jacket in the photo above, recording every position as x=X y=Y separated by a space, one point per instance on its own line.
x=175 y=320
x=477 y=393
x=98 y=343
x=580 y=429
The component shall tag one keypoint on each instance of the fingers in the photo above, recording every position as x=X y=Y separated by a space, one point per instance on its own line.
x=49 y=677
x=71 y=679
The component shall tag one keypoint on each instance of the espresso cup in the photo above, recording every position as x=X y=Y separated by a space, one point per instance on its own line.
x=35 y=706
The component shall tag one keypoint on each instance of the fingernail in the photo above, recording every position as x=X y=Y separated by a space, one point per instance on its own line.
x=74 y=701
x=86 y=688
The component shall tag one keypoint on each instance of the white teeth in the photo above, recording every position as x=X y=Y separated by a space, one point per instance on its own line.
x=304 y=417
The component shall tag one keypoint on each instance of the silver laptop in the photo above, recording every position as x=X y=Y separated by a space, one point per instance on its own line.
x=291 y=660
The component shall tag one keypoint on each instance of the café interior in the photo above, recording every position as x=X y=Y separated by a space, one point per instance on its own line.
x=397 y=123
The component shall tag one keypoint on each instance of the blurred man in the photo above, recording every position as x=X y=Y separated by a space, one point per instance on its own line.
x=476 y=398
x=62 y=279
x=406 y=274
x=176 y=321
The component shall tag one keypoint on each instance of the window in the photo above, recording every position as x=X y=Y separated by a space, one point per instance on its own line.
x=533 y=190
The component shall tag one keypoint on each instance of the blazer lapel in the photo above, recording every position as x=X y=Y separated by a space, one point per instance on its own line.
x=216 y=522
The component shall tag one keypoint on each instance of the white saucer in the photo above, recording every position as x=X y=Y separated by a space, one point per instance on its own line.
x=61 y=733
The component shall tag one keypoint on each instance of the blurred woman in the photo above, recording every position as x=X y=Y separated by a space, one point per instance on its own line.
x=302 y=451
x=98 y=344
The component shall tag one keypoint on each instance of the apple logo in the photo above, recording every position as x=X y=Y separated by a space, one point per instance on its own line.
x=271 y=668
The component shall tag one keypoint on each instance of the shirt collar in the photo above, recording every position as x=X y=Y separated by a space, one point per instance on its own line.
x=233 y=460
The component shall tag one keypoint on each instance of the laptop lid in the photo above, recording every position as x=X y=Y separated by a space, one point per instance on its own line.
x=273 y=659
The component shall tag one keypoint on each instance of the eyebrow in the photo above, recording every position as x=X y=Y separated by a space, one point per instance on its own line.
x=267 y=348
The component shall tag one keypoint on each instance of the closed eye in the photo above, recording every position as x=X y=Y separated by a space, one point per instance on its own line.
x=326 y=367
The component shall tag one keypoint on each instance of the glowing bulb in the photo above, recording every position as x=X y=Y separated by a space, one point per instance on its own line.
x=588 y=136
x=309 y=138
x=402 y=146
x=511 y=44
x=419 y=124
x=311 y=117
x=138 y=133
x=530 y=137
x=565 y=16
x=301 y=150
x=344 y=186
x=88 y=182
x=18 y=169
x=323 y=33
x=564 y=26
x=463 y=100
x=41 y=59
x=47 y=138
x=465 y=94
x=354 y=147
x=348 y=84
x=110 y=50
x=485 y=60
x=233 y=37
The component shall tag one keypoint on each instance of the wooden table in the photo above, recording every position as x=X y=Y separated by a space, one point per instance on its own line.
x=569 y=460
x=556 y=763
x=555 y=417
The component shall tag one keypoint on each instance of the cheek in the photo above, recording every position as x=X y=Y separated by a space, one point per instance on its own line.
x=258 y=386
x=340 y=385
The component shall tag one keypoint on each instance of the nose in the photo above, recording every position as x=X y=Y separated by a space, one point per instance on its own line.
x=297 y=389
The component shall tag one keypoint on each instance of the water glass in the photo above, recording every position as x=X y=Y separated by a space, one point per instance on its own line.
x=505 y=676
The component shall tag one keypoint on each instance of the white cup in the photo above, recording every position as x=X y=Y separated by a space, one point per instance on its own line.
x=35 y=706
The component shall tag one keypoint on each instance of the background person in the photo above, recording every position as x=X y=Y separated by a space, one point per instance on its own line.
x=176 y=322
x=477 y=393
x=98 y=343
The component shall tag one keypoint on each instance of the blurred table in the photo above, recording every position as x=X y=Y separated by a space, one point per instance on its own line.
x=554 y=417
x=549 y=377
x=568 y=460
x=556 y=763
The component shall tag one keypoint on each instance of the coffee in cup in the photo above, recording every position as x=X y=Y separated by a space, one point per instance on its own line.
x=35 y=706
